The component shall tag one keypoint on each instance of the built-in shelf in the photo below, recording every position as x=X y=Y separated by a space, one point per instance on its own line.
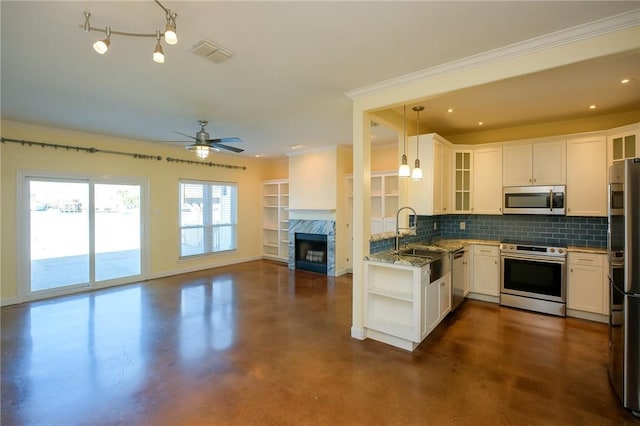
x=275 y=219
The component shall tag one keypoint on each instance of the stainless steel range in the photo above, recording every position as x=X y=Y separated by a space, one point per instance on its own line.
x=533 y=277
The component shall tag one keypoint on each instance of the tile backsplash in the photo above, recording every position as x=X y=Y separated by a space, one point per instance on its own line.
x=550 y=230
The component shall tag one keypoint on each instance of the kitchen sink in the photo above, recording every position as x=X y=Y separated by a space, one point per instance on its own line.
x=423 y=252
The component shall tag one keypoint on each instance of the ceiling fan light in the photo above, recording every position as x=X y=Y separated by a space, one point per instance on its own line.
x=201 y=151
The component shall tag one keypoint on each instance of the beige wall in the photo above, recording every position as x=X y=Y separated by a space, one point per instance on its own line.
x=313 y=179
x=343 y=230
x=163 y=192
x=384 y=158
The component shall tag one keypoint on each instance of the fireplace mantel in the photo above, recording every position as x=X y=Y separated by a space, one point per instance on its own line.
x=318 y=211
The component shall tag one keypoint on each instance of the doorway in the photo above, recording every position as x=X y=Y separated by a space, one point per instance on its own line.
x=80 y=233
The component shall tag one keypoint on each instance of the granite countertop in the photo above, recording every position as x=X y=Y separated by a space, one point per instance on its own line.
x=594 y=250
x=390 y=256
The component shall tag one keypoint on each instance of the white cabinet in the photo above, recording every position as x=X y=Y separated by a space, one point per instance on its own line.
x=587 y=176
x=275 y=219
x=384 y=201
x=462 y=161
x=438 y=301
x=587 y=283
x=624 y=143
x=487 y=180
x=486 y=270
x=540 y=163
x=401 y=306
x=432 y=194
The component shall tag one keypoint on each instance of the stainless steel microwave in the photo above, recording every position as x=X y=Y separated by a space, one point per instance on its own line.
x=547 y=200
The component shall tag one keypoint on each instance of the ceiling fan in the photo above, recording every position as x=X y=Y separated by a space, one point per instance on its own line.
x=204 y=145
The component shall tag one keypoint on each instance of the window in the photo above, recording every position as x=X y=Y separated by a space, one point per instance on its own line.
x=208 y=217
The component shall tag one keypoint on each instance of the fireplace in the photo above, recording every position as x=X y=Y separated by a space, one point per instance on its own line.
x=325 y=229
x=311 y=252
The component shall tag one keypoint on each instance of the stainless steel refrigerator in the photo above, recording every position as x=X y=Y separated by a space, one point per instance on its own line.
x=624 y=280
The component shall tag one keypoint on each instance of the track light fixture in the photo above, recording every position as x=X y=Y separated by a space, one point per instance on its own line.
x=169 y=34
x=158 y=54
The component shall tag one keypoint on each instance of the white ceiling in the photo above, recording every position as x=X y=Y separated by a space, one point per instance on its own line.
x=293 y=64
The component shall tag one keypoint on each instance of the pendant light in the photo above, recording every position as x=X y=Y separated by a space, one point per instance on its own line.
x=416 y=174
x=404 y=170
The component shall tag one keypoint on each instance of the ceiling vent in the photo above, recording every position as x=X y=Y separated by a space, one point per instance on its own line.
x=211 y=51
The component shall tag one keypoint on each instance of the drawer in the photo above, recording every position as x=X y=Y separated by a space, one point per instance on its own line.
x=486 y=250
x=587 y=259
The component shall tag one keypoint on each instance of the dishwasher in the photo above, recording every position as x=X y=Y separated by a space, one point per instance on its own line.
x=457 y=277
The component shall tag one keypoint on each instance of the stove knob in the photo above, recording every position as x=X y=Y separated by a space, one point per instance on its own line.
x=560 y=251
x=552 y=250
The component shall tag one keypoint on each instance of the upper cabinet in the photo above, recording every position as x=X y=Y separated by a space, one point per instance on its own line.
x=541 y=163
x=432 y=194
x=587 y=176
x=462 y=161
x=487 y=180
x=624 y=144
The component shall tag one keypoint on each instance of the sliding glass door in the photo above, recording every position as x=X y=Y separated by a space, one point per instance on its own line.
x=81 y=233
x=59 y=234
x=117 y=231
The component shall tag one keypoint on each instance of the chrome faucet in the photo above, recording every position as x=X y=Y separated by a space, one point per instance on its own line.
x=414 y=227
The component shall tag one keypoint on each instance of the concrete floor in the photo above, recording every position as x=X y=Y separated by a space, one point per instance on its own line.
x=255 y=343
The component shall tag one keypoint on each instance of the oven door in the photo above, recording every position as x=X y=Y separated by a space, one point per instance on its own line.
x=533 y=276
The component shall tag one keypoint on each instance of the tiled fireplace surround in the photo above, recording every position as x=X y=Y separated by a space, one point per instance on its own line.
x=321 y=227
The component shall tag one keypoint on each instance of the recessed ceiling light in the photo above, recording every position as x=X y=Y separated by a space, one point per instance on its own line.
x=295 y=146
x=258 y=155
x=480 y=123
x=592 y=107
x=450 y=110
x=625 y=80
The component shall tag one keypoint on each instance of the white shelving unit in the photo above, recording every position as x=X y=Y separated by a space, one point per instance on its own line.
x=384 y=201
x=275 y=219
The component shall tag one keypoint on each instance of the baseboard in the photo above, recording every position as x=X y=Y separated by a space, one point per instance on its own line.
x=342 y=272
x=6 y=301
x=179 y=271
x=588 y=316
x=358 y=333
x=483 y=297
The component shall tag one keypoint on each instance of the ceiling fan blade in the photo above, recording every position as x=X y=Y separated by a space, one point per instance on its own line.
x=225 y=140
x=184 y=134
x=227 y=147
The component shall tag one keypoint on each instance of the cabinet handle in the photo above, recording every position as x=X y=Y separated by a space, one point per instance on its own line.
x=585 y=260
x=572 y=270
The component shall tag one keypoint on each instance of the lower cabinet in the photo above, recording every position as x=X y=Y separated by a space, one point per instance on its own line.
x=485 y=276
x=587 y=284
x=401 y=306
x=438 y=302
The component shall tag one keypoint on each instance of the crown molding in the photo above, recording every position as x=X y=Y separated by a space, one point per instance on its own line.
x=570 y=35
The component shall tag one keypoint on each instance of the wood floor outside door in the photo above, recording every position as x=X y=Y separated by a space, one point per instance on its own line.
x=257 y=344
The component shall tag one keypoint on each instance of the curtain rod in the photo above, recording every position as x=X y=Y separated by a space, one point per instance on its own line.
x=104 y=151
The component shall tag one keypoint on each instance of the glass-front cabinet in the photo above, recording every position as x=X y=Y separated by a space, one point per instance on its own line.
x=462 y=184
x=624 y=144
